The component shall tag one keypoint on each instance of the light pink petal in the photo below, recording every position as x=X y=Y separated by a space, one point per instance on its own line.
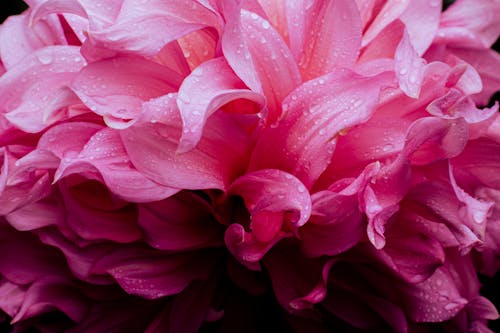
x=51 y=294
x=199 y=46
x=392 y=10
x=335 y=225
x=28 y=89
x=486 y=62
x=385 y=43
x=469 y=23
x=275 y=200
x=324 y=35
x=116 y=88
x=161 y=22
x=151 y=274
x=365 y=8
x=421 y=19
x=18 y=39
x=260 y=57
x=298 y=283
x=454 y=105
x=409 y=67
x=181 y=222
x=430 y=139
x=171 y=56
x=211 y=85
x=316 y=113
x=152 y=144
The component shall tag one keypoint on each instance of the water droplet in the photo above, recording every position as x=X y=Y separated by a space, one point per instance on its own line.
x=254 y=16
x=45 y=58
x=434 y=3
x=478 y=217
x=266 y=25
x=403 y=71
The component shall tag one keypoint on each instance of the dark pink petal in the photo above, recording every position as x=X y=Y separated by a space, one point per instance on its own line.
x=95 y=214
x=150 y=274
x=24 y=260
x=51 y=294
x=116 y=88
x=180 y=222
x=11 y=297
x=260 y=57
x=316 y=112
x=409 y=67
x=335 y=224
x=210 y=86
x=385 y=44
x=298 y=283
x=434 y=300
x=216 y=160
x=324 y=35
x=421 y=19
x=468 y=23
x=27 y=90
x=45 y=212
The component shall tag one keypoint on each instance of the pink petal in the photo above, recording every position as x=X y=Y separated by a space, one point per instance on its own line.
x=43 y=213
x=469 y=23
x=11 y=297
x=161 y=22
x=421 y=19
x=181 y=222
x=116 y=88
x=212 y=85
x=150 y=274
x=105 y=152
x=334 y=227
x=18 y=39
x=28 y=89
x=216 y=160
x=260 y=57
x=275 y=199
x=391 y=10
x=51 y=293
x=317 y=111
x=94 y=214
x=324 y=35
x=385 y=43
x=409 y=67
x=298 y=283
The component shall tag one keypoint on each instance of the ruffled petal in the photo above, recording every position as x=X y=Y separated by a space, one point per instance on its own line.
x=212 y=85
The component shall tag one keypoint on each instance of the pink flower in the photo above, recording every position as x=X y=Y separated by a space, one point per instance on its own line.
x=218 y=164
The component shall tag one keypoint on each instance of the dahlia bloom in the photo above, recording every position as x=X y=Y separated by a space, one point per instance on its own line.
x=249 y=165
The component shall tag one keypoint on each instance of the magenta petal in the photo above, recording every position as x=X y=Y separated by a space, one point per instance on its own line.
x=324 y=35
x=46 y=295
x=11 y=297
x=207 y=89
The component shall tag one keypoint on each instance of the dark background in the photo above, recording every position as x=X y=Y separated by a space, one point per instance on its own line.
x=491 y=286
